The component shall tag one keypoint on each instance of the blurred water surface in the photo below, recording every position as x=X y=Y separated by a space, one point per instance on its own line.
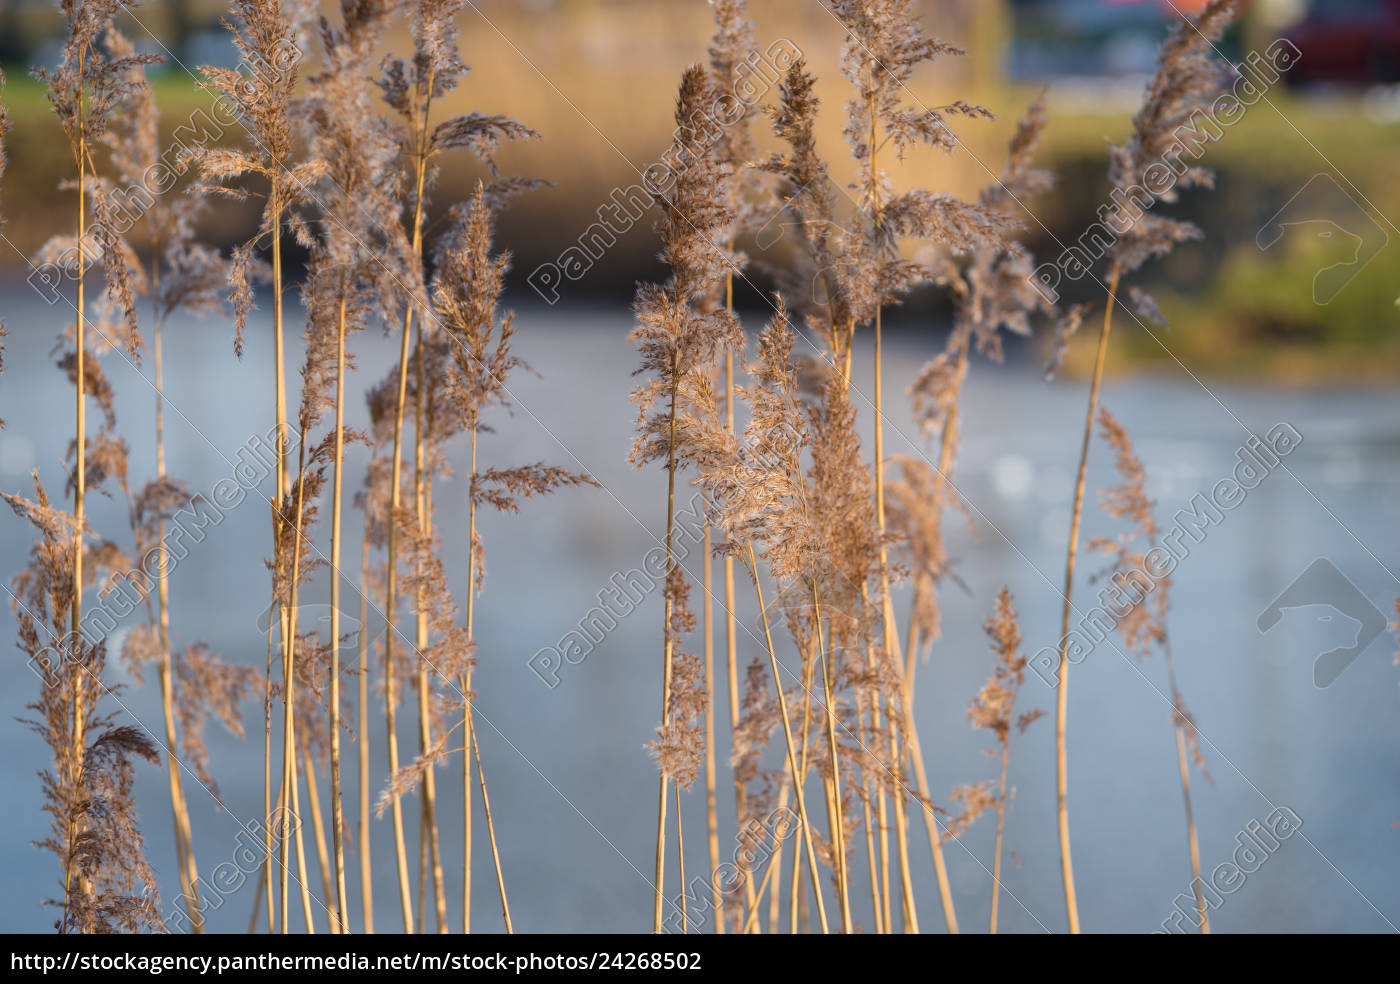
x=572 y=786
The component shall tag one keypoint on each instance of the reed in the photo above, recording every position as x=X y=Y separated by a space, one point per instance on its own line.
x=994 y=709
x=680 y=343
x=731 y=45
x=178 y=275
x=466 y=297
x=1186 y=82
x=266 y=35
x=1144 y=624
x=352 y=269
x=410 y=87
x=91 y=82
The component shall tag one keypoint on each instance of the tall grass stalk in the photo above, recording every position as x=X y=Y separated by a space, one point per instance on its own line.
x=1144 y=626
x=491 y=831
x=93 y=79
x=667 y=649
x=797 y=774
x=342 y=913
x=366 y=866
x=1062 y=684
x=428 y=797
x=1186 y=83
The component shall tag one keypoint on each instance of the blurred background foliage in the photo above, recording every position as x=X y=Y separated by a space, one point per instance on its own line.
x=598 y=77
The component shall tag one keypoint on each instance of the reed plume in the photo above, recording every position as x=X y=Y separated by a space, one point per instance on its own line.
x=108 y=886
x=731 y=45
x=410 y=87
x=91 y=82
x=259 y=93
x=680 y=340
x=885 y=45
x=991 y=294
x=855 y=265
x=179 y=275
x=1185 y=83
x=350 y=277
x=1142 y=622
x=994 y=709
x=760 y=497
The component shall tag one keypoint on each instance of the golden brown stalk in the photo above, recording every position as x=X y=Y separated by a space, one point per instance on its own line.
x=267 y=772
x=323 y=858
x=466 y=683
x=390 y=604
x=775 y=897
x=78 y=739
x=797 y=774
x=667 y=647
x=391 y=597
x=342 y=922
x=286 y=619
x=302 y=877
x=1192 y=841
x=257 y=898
x=886 y=908
x=1062 y=690
x=1001 y=826
x=288 y=777
x=731 y=627
x=869 y=832
x=906 y=881
x=796 y=912
x=935 y=839
x=712 y=822
x=680 y=862
x=771 y=877
x=891 y=629
x=366 y=884
x=184 y=847
x=289 y=769
x=422 y=869
x=490 y=826
x=428 y=799
x=838 y=821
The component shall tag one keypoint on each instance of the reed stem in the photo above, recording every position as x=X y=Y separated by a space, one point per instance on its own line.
x=711 y=819
x=1001 y=825
x=797 y=774
x=1183 y=765
x=338 y=466
x=490 y=825
x=77 y=737
x=428 y=799
x=366 y=882
x=184 y=846
x=1062 y=691
x=466 y=683
x=667 y=649
x=838 y=822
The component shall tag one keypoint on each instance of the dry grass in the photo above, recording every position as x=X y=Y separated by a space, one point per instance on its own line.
x=343 y=151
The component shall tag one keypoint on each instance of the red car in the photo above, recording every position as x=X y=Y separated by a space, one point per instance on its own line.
x=1348 y=41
